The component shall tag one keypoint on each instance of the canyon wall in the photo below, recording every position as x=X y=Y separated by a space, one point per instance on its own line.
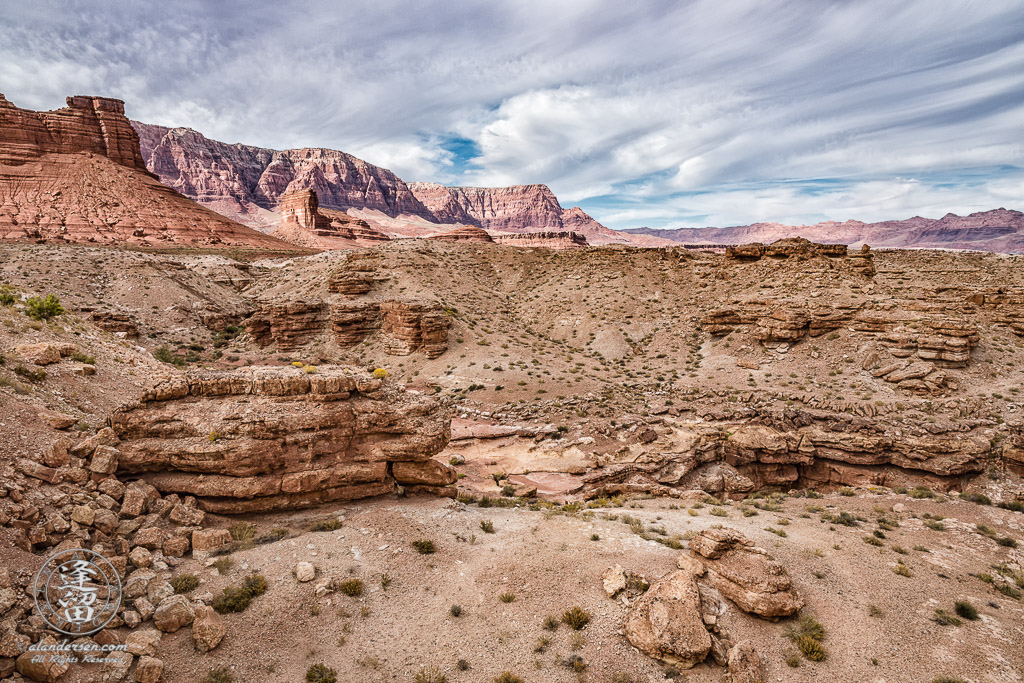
x=77 y=175
x=259 y=439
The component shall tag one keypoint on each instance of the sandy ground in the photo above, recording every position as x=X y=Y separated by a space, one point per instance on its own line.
x=550 y=562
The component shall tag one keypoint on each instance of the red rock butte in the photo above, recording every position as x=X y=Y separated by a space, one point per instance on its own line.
x=303 y=222
x=77 y=175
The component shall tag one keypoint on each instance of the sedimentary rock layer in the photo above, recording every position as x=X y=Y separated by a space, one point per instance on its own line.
x=77 y=175
x=279 y=438
x=548 y=240
x=304 y=223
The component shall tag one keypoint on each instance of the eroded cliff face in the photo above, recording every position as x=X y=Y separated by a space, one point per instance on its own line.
x=246 y=182
x=77 y=175
x=259 y=439
x=249 y=183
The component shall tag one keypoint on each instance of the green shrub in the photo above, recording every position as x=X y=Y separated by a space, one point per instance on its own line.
x=979 y=498
x=351 y=587
x=576 y=618
x=424 y=546
x=946 y=619
x=507 y=596
x=811 y=648
x=80 y=357
x=242 y=531
x=508 y=677
x=487 y=526
x=184 y=583
x=966 y=610
x=43 y=308
x=165 y=355
x=921 y=492
x=238 y=598
x=321 y=673
x=1015 y=505
x=7 y=297
x=332 y=524
x=37 y=375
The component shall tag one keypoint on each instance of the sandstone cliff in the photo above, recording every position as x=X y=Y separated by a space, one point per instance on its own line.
x=280 y=438
x=77 y=174
x=247 y=182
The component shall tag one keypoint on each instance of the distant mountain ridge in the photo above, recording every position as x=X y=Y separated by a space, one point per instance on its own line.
x=247 y=183
x=998 y=230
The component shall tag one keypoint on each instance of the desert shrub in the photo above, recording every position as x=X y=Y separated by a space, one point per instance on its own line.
x=43 y=308
x=1008 y=590
x=238 y=598
x=242 y=531
x=1015 y=505
x=184 y=583
x=332 y=524
x=431 y=674
x=846 y=491
x=508 y=677
x=1007 y=542
x=221 y=674
x=507 y=597
x=871 y=540
x=37 y=375
x=948 y=679
x=934 y=525
x=979 y=498
x=921 y=492
x=946 y=619
x=272 y=536
x=792 y=658
x=966 y=610
x=576 y=618
x=351 y=587
x=164 y=354
x=7 y=297
x=80 y=357
x=903 y=570
x=550 y=623
x=487 y=526
x=222 y=564
x=381 y=373
x=321 y=673
x=424 y=546
x=455 y=610
x=576 y=663
x=811 y=648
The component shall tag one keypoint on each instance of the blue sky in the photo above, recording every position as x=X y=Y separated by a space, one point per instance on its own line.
x=665 y=114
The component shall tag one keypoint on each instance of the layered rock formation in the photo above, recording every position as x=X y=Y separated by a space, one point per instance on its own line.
x=465 y=233
x=77 y=175
x=304 y=223
x=547 y=240
x=279 y=438
x=793 y=448
x=999 y=230
x=247 y=183
x=404 y=327
x=795 y=247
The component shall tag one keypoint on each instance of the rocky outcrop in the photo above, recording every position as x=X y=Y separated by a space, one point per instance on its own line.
x=999 y=230
x=515 y=208
x=812 y=448
x=77 y=175
x=546 y=240
x=95 y=125
x=305 y=224
x=665 y=622
x=464 y=233
x=278 y=438
x=785 y=248
x=403 y=327
x=744 y=574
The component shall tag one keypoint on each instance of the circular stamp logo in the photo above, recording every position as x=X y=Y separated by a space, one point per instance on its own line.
x=77 y=591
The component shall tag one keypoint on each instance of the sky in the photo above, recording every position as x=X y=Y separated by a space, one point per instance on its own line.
x=660 y=114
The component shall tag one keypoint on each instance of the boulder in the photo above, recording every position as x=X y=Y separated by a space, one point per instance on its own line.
x=743 y=573
x=173 y=613
x=208 y=629
x=49 y=668
x=149 y=670
x=745 y=664
x=143 y=642
x=665 y=622
x=204 y=540
x=305 y=571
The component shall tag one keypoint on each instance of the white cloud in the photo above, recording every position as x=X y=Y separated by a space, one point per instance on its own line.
x=594 y=97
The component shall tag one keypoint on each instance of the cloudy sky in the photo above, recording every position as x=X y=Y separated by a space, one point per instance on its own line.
x=664 y=114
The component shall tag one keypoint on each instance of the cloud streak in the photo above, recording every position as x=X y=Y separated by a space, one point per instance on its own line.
x=656 y=113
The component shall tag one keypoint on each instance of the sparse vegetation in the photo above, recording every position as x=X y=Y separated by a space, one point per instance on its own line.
x=43 y=308
x=507 y=597
x=351 y=587
x=331 y=524
x=807 y=635
x=424 y=546
x=321 y=673
x=238 y=598
x=220 y=674
x=184 y=583
x=576 y=618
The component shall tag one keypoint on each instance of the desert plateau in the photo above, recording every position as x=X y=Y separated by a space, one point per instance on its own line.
x=269 y=412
